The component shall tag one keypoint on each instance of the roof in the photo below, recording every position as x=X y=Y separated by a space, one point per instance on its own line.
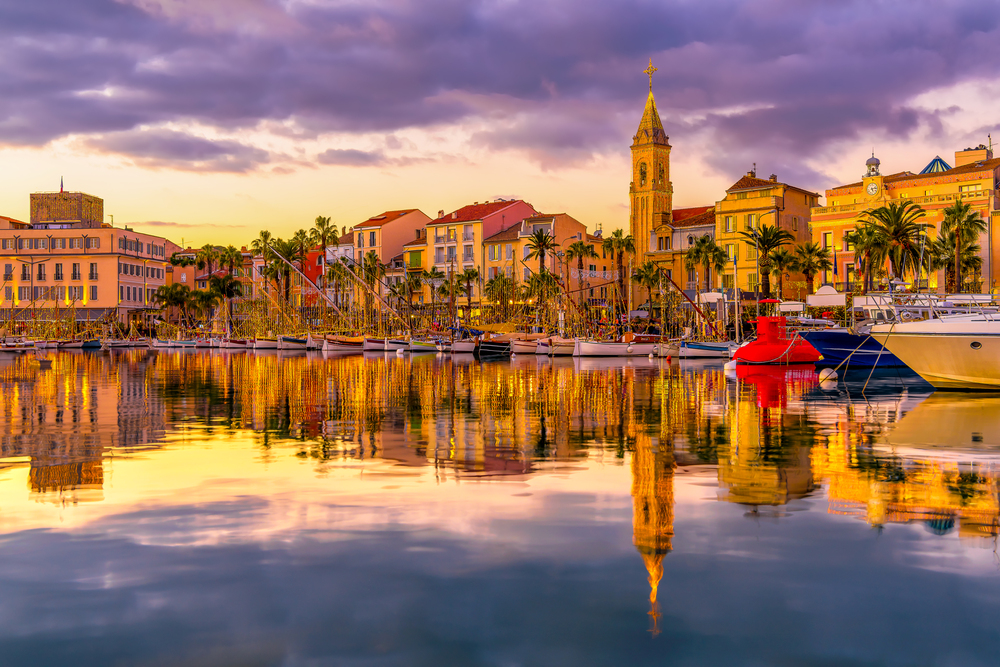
x=936 y=166
x=509 y=234
x=218 y=274
x=750 y=182
x=682 y=214
x=650 y=127
x=476 y=211
x=384 y=218
x=346 y=239
x=13 y=220
x=982 y=165
x=706 y=217
x=422 y=241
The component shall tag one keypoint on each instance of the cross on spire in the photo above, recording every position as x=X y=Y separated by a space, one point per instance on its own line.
x=649 y=71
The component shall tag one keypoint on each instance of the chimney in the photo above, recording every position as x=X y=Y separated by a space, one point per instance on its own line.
x=419 y=232
x=441 y=213
x=773 y=178
x=751 y=174
x=343 y=230
x=454 y=215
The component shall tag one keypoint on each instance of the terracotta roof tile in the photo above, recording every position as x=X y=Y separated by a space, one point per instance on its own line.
x=706 y=217
x=422 y=241
x=681 y=214
x=475 y=211
x=750 y=182
x=984 y=165
x=384 y=218
x=509 y=234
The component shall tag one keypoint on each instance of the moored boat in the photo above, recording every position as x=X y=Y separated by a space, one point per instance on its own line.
x=465 y=346
x=393 y=344
x=608 y=348
x=524 y=346
x=494 y=347
x=774 y=345
x=561 y=347
x=422 y=346
x=373 y=344
x=853 y=350
x=291 y=343
x=233 y=343
x=688 y=349
x=342 y=344
x=951 y=352
x=265 y=343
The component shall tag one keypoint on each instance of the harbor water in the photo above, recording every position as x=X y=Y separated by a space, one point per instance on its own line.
x=188 y=507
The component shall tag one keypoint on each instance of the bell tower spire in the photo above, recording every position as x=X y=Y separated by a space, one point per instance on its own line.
x=651 y=192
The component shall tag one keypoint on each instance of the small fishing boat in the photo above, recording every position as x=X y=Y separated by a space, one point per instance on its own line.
x=689 y=349
x=342 y=344
x=314 y=343
x=464 y=346
x=291 y=343
x=71 y=345
x=422 y=346
x=524 y=346
x=443 y=346
x=561 y=347
x=607 y=348
x=233 y=343
x=265 y=343
x=393 y=344
x=203 y=343
x=373 y=344
x=90 y=344
x=159 y=343
x=186 y=344
x=494 y=347
x=774 y=345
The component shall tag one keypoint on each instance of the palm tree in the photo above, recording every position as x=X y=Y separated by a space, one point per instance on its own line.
x=336 y=272
x=869 y=251
x=302 y=243
x=431 y=277
x=967 y=225
x=780 y=260
x=542 y=286
x=900 y=234
x=541 y=243
x=174 y=296
x=260 y=244
x=649 y=275
x=279 y=270
x=618 y=244
x=709 y=254
x=230 y=258
x=941 y=255
x=766 y=239
x=810 y=259
x=207 y=258
x=372 y=272
x=226 y=288
x=580 y=251
x=323 y=234
x=204 y=301
x=467 y=277
x=411 y=284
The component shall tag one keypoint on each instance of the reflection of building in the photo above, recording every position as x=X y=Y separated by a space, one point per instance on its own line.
x=652 y=510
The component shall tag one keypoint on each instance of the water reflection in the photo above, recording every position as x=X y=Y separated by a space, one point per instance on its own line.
x=389 y=436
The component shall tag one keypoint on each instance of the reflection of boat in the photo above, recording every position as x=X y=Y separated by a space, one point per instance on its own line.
x=772 y=382
x=610 y=363
x=952 y=352
x=775 y=346
x=966 y=421
x=836 y=345
x=495 y=347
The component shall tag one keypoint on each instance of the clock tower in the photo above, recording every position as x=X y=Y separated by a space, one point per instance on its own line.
x=651 y=192
x=873 y=179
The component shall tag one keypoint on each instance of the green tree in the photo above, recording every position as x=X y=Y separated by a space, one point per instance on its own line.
x=649 y=275
x=467 y=277
x=230 y=258
x=810 y=259
x=581 y=251
x=207 y=258
x=901 y=235
x=175 y=296
x=707 y=253
x=781 y=260
x=766 y=239
x=204 y=301
x=432 y=278
x=323 y=234
x=618 y=244
x=869 y=251
x=226 y=288
x=260 y=244
x=941 y=255
x=967 y=225
x=500 y=290
x=541 y=243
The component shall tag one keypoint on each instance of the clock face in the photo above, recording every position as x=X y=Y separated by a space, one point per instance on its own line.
x=873 y=188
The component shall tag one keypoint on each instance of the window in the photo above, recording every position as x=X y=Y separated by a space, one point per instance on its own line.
x=795 y=224
x=184 y=278
x=509 y=251
x=57 y=272
x=691 y=275
x=467 y=233
x=928 y=193
x=730 y=221
x=527 y=273
x=741 y=195
x=751 y=220
x=731 y=251
x=727 y=281
x=7 y=244
x=415 y=259
x=93 y=243
x=371 y=239
x=690 y=240
x=970 y=188
x=752 y=281
x=25 y=272
x=23 y=293
x=451 y=254
x=76 y=244
x=93 y=292
x=361 y=240
x=751 y=253
x=467 y=254
x=61 y=293
x=642 y=174
x=492 y=273
x=492 y=253
x=8 y=293
x=827 y=240
x=41 y=272
x=75 y=293
x=848 y=245
x=8 y=271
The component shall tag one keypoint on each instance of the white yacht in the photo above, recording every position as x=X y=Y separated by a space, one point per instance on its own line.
x=950 y=352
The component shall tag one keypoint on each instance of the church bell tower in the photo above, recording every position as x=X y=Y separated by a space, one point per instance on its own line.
x=651 y=192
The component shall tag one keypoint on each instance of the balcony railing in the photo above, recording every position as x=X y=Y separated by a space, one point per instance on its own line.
x=92 y=275
x=57 y=276
x=76 y=276
x=439 y=238
x=468 y=257
x=469 y=236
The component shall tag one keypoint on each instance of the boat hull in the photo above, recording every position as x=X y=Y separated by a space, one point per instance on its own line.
x=524 y=347
x=693 y=350
x=966 y=360
x=463 y=347
x=422 y=346
x=373 y=345
x=858 y=351
x=290 y=343
x=561 y=347
x=392 y=345
x=265 y=344
x=586 y=348
x=494 y=348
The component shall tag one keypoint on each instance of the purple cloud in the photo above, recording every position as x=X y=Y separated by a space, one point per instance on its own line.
x=776 y=77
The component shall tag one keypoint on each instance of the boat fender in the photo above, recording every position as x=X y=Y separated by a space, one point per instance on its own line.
x=399 y=352
x=730 y=365
x=827 y=374
x=629 y=349
x=650 y=355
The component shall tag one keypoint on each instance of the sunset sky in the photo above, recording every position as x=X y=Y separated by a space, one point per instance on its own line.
x=209 y=120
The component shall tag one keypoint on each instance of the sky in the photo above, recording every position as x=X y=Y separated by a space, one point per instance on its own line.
x=209 y=120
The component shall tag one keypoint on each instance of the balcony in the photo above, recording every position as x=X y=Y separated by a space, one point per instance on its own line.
x=92 y=275
x=468 y=257
x=76 y=275
x=58 y=275
x=8 y=276
x=439 y=238
x=469 y=236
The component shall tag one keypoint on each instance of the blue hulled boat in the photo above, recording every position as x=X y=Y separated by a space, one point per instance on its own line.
x=837 y=344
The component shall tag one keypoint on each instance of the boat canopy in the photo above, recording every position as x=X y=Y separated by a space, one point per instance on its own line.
x=826 y=297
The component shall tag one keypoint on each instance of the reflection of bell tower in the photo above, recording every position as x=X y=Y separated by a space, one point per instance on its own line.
x=652 y=512
x=651 y=191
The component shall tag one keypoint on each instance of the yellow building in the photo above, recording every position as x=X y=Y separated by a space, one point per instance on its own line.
x=651 y=192
x=974 y=180
x=749 y=203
